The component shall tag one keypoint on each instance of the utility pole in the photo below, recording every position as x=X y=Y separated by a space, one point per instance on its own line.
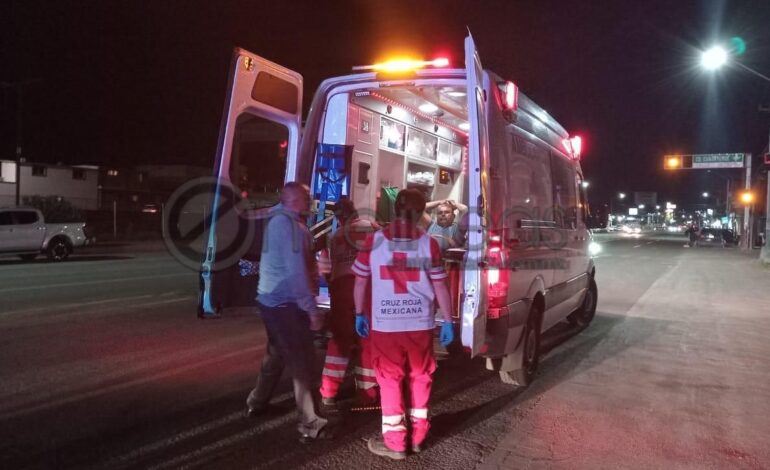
x=747 y=209
x=19 y=88
x=764 y=254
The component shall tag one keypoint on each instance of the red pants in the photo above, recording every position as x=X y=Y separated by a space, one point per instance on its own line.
x=394 y=355
x=341 y=323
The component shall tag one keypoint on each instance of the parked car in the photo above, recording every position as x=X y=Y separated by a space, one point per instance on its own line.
x=23 y=232
x=715 y=236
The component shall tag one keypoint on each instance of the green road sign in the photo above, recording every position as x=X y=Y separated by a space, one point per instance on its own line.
x=718 y=160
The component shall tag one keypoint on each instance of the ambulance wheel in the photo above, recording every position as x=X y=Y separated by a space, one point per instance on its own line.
x=583 y=316
x=530 y=353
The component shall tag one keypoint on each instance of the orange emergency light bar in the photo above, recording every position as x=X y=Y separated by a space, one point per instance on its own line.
x=404 y=65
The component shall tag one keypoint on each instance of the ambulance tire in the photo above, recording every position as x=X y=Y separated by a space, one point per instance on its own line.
x=530 y=354
x=583 y=316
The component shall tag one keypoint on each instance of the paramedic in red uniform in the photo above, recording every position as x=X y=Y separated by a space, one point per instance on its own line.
x=407 y=273
x=343 y=248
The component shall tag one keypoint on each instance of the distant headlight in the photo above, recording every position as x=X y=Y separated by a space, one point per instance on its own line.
x=594 y=248
x=637 y=230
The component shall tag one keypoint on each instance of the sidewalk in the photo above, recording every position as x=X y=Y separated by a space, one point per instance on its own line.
x=678 y=378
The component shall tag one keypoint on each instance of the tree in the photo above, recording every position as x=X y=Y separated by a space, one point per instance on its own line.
x=55 y=209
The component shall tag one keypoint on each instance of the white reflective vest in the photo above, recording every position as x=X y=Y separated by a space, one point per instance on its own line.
x=402 y=291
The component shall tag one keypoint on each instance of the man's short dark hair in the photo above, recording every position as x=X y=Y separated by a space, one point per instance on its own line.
x=344 y=209
x=410 y=204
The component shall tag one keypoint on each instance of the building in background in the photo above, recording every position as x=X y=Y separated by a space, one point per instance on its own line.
x=136 y=188
x=78 y=184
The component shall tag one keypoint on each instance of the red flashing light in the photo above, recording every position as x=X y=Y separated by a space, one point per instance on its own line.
x=577 y=146
x=573 y=146
x=440 y=62
x=511 y=96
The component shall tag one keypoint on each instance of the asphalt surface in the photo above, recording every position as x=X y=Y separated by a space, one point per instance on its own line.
x=103 y=364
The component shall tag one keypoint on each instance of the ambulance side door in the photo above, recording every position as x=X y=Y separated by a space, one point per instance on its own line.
x=474 y=309
x=256 y=155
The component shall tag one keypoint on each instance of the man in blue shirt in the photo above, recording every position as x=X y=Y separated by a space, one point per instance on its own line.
x=286 y=293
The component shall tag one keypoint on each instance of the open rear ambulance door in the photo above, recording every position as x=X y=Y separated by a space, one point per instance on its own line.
x=474 y=309
x=256 y=155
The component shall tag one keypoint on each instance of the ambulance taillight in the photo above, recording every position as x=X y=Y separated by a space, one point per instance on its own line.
x=497 y=274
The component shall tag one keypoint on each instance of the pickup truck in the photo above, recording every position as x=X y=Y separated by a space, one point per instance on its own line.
x=24 y=233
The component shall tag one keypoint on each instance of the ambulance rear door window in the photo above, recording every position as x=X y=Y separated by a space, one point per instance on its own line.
x=275 y=92
x=258 y=159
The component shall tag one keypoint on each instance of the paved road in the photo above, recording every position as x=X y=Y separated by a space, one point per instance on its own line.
x=103 y=364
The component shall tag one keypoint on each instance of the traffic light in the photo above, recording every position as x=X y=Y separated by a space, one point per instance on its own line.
x=747 y=197
x=672 y=163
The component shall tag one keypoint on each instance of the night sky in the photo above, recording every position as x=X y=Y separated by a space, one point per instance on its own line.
x=143 y=82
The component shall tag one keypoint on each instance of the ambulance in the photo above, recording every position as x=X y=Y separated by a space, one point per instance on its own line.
x=463 y=134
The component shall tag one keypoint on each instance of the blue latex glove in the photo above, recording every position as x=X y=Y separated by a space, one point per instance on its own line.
x=447 y=334
x=362 y=326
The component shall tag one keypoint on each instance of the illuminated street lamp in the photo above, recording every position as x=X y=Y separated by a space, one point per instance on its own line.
x=621 y=195
x=705 y=194
x=713 y=59
x=585 y=184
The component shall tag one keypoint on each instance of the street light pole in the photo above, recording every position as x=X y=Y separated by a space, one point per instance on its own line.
x=19 y=136
x=713 y=59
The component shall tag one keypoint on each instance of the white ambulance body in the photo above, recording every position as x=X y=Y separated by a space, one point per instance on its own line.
x=462 y=134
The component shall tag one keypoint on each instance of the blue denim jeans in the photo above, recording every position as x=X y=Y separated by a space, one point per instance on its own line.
x=290 y=345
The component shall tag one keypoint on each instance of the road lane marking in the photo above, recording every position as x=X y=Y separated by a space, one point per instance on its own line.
x=81 y=304
x=104 y=281
x=161 y=302
x=197 y=431
x=24 y=410
x=637 y=246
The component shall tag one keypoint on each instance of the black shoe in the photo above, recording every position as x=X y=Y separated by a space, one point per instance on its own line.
x=256 y=411
x=329 y=405
x=376 y=445
x=325 y=433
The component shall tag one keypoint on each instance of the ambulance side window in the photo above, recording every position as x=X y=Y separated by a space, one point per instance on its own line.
x=564 y=192
x=258 y=159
